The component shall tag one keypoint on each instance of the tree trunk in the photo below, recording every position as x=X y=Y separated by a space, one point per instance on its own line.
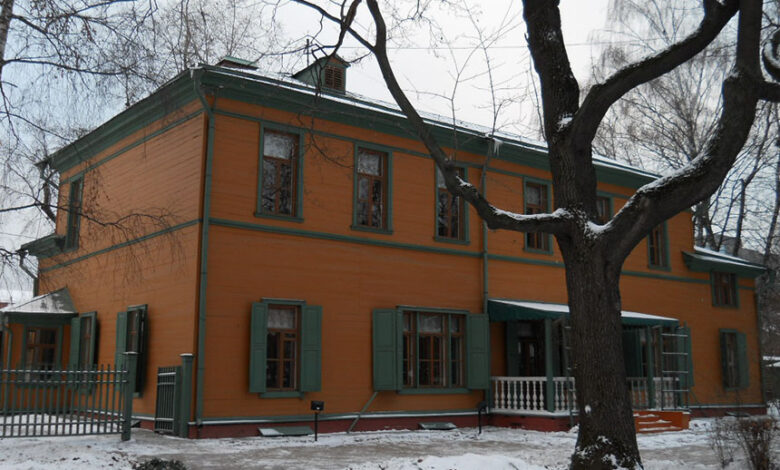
x=607 y=437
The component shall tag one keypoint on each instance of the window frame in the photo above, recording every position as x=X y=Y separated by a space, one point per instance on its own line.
x=309 y=341
x=663 y=263
x=387 y=227
x=739 y=378
x=545 y=238
x=412 y=350
x=296 y=369
x=609 y=206
x=73 y=221
x=56 y=347
x=733 y=281
x=297 y=182
x=463 y=235
x=123 y=334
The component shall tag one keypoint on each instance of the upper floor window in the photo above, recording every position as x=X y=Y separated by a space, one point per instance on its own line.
x=724 y=289
x=603 y=209
x=279 y=169
x=450 y=223
x=74 y=214
x=657 y=256
x=371 y=189
x=537 y=202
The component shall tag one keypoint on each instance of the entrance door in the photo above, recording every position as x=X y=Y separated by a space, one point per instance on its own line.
x=525 y=349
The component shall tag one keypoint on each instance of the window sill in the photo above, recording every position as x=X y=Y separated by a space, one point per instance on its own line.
x=539 y=251
x=433 y=391
x=454 y=241
x=658 y=267
x=288 y=218
x=282 y=394
x=363 y=228
x=726 y=307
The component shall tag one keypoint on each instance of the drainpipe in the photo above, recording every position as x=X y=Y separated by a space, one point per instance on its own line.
x=204 y=252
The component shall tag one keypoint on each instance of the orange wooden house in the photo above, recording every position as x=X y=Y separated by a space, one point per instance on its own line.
x=295 y=239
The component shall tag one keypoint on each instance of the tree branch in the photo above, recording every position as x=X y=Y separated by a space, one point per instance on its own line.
x=602 y=96
x=556 y=223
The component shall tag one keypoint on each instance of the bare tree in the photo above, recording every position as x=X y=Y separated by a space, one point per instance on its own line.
x=593 y=253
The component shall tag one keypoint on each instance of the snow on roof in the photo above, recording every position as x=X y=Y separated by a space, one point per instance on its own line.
x=392 y=109
x=57 y=302
x=563 y=309
x=718 y=257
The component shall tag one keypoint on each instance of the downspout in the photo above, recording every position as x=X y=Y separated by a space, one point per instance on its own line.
x=493 y=145
x=204 y=251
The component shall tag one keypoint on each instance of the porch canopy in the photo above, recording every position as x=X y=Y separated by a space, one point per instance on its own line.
x=55 y=307
x=507 y=310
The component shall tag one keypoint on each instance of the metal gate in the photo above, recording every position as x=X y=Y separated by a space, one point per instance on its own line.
x=67 y=402
x=168 y=398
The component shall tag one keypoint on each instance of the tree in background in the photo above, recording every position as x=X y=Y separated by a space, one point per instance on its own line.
x=594 y=254
x=67 y=66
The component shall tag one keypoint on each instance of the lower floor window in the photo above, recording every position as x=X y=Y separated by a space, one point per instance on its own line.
x=282 y=348
x=433 y=350
x=41 y=348
x=730 y=362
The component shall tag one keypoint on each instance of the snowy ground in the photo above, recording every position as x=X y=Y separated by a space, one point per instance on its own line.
x=461 y=449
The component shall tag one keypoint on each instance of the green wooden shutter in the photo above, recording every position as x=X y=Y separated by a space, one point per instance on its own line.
x=632 y=353
x=386 y=350
x=140 y=371
x=512 y=355
x=93 y=332
x=478 y=352
x=311 y=348
x=743 y=366
x=257 y=347
x=75 y=342
x=121 y=339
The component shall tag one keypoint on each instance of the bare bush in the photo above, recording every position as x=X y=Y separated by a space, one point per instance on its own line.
x=722 y=440
x=755 y=436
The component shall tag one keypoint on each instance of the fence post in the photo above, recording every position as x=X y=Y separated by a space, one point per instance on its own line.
x=131 y=361
x=185 y=402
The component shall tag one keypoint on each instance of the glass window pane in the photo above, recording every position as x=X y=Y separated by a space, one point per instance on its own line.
x=533 y=195
x=272 y=349
x=287 y=379
x=281 y=318
x=363 y=183
x=272 y=374
x=278 y=145
x=369 y=163
x=440 y=180
x=431 y=324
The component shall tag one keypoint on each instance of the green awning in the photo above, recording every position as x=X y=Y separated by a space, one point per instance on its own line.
x=506 y=310
x=704 y=260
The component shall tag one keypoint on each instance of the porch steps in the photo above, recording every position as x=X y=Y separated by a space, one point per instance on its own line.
x=647 y=422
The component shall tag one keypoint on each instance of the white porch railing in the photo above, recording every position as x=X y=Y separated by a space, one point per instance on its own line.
x=527 y=394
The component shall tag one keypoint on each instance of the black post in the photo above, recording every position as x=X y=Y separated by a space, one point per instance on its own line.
x=317 y=407
x=481 y=406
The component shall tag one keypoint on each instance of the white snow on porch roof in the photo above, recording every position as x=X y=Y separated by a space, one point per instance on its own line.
x=57 y=302
x=723 y=258
x=563 y=308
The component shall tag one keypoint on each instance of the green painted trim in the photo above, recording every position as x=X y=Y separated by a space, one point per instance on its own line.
x=464 y=223
x=127 y=147
x=45 y=247
x=200 y=367
x=284 y=218
x=434 y=391
x=388 y=216
x=701 y=263
x=337 y=416
x=547 y=186
x=369 y=115
x=285 y=394
x=121 y=245
x=665 y=263
x=458 y=311
x=275 y=301
x=167 y=99
x=42 y=320
x=300 y=132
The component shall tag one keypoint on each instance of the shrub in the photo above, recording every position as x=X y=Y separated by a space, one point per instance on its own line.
x=723 y=441
x=160 y=464
x=755 y=436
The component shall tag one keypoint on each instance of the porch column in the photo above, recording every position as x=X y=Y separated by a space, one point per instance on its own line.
x=650 y=367
x=548 y=364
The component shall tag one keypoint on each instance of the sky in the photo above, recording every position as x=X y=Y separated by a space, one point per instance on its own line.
x=443 y=72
